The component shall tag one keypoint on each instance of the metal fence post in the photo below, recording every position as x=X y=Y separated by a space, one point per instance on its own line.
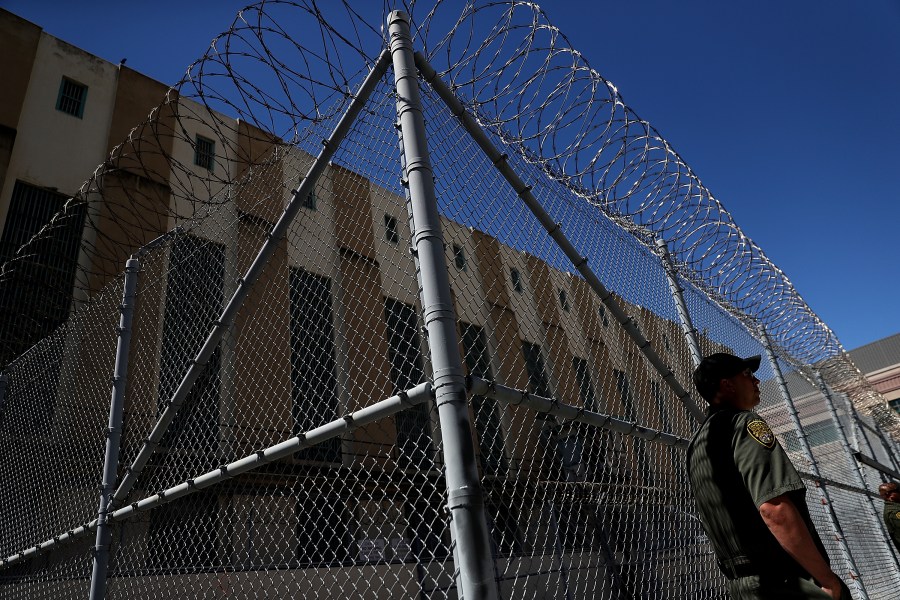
x=855 y=581
x=684 y=315
x=114 y=433
x=465 y=498
x=854 y=465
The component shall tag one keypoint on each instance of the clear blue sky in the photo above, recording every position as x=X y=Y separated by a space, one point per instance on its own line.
x=789 y=112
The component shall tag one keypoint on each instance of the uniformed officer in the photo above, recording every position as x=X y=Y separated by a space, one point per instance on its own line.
x=750 y=497
x=890 y=493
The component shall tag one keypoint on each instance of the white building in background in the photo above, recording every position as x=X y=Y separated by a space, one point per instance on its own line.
x=879 y=361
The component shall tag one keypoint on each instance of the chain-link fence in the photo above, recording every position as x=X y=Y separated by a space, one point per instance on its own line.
x=328 y=386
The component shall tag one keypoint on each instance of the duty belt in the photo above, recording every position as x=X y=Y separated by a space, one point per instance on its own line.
x=739 y=566
x=742 y=566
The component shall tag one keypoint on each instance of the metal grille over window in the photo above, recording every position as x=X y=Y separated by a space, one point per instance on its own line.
x=470 y=289
x=71 y=98
x=205 y=153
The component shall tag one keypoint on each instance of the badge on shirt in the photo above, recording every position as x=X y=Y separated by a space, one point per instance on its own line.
x=760 y=432
x=897 y=515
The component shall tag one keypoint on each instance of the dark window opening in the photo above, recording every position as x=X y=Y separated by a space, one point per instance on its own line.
x=391 y=232
x=71 y=98
x=313 y=362
x=585 y=387
x=413 y=424
x=459 y=257
x=487 y=421
x=516 y=280
x=323 y=530
x=564 y=300
x=184 y=535
x=40 y=282
x=194 y=300
x=204 y=153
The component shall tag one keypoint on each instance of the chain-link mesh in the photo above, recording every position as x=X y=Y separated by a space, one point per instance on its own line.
x=290 y=449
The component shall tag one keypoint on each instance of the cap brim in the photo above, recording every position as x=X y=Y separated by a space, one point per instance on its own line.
x=753 y=362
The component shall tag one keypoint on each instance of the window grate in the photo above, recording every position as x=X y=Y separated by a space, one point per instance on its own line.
x=204 y=153
x=71 y=98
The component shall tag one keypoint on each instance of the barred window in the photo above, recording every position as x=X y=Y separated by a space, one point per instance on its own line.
x=71 y=98
x=204 y=153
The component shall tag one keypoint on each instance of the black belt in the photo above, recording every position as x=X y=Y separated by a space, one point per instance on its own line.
x=741 y=566
x=733 y=568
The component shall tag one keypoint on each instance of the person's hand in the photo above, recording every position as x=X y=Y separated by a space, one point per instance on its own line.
x=834 y=587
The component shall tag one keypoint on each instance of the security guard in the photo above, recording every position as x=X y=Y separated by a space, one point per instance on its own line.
x=890 y=493
x=750 y=497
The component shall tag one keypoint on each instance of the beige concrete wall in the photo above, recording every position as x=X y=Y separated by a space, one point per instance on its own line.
x=18 y=46
x=43 y=153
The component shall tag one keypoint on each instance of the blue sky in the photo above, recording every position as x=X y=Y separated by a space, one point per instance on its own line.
x=789 y=112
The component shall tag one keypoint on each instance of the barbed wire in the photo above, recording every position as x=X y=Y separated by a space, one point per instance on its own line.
x=284 y=66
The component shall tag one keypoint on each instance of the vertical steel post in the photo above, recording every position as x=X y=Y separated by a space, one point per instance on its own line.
x=855 y=581
x=854 y=465
x=684 y=315
x=114 y=433
x=465 y=498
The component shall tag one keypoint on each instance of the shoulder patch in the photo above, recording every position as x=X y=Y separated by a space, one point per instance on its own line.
x=897 y=515
x=760 y=432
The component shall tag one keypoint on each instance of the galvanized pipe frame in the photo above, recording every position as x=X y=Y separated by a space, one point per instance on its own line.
x=554 y=229
x=515 y=397
x=836 y=528
x=114 y=434
x=274 y=237
x=854 y=465
x=684 y=315
x=884 y=443
x=871 y=462
x=346 y=424
x=465 y=498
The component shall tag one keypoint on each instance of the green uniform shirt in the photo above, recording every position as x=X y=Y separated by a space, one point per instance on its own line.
x=892 y=520
x=735 y=464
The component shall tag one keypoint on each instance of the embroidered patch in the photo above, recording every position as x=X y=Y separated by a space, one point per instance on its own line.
x=897 y=515
x=760 y=432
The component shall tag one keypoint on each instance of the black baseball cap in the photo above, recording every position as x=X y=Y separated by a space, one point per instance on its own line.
x=717 y=367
